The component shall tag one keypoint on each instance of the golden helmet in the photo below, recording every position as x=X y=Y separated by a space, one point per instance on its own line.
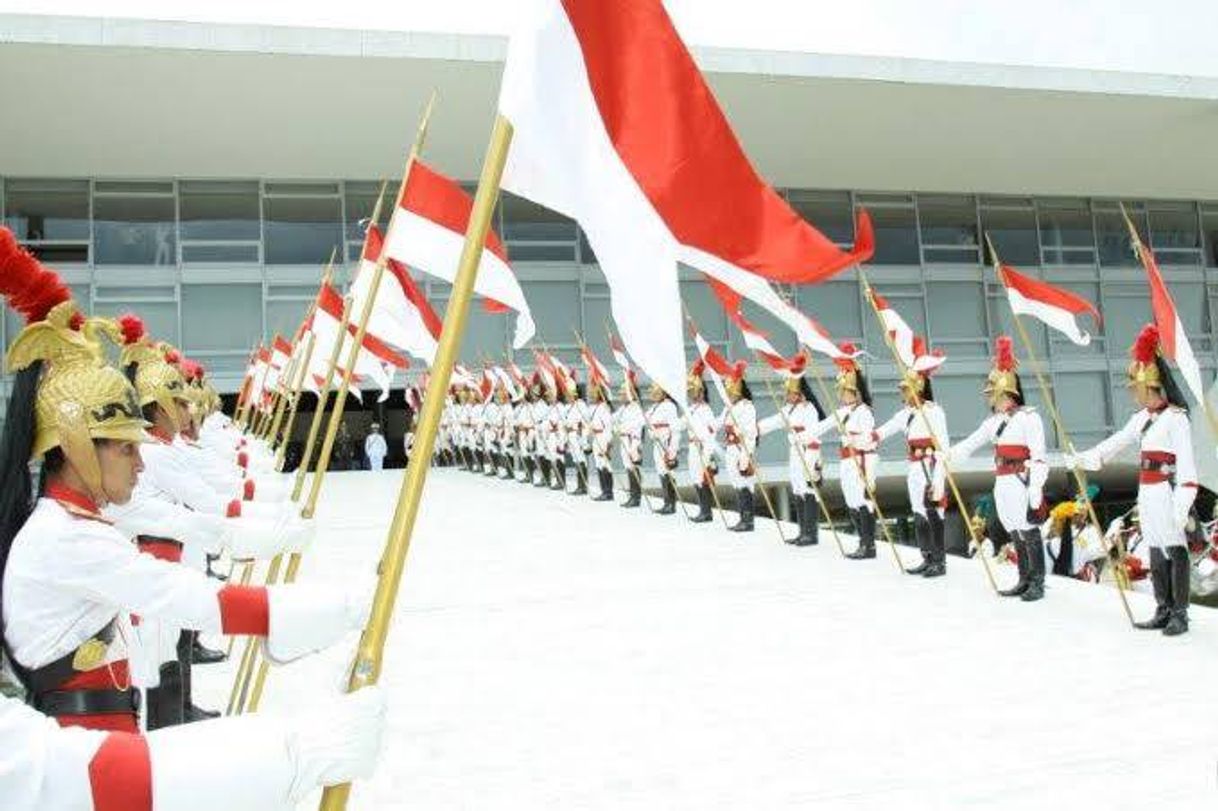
x=157 y=379
x=656 y=392
x=735 y=379
x=1002 y=379
x=1143 y=372
x=694 y=383
x=795 y=374
x=847 y=368
x=915 y=377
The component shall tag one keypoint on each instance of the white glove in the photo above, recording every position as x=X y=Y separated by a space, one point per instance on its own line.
x=305 y=618
x=338 y=742
x=1035 y=496
x=260 y=539
x=1085 y=461
x=1115 y=528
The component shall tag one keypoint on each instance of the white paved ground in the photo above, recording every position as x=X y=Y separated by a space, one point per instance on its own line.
x=554 y=653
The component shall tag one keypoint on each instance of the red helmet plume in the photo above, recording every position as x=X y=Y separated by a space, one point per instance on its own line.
x=30 y=288
x=132 y=327
x=738 y=369
x=698 y=368
x=173 y=356
x=847 y=364
x=1146 y=347
x=1004 y=354
x=797 y=365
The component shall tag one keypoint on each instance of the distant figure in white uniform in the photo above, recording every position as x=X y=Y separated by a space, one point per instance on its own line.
x=375 y=448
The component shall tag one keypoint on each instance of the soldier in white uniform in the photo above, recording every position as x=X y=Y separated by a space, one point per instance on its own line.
x=662 y=422
x=600 y=439
x=1018 y=437
x=375 y=447
x=556 y=436
x=739 y=425
x=629 y=425
x=69 y=580
x=702 y=460
x=856 y=423
x=541 y=429
x=801 y=413
x=1167 y=483
x=526 y=431
x=923 y=422
x=576 y=424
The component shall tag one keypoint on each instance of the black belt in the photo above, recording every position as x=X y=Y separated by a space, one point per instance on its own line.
x=87 y=702
x=48 y=677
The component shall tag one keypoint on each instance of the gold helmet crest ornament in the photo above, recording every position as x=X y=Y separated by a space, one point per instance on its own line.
x=79 y=397
x=847 y=368
x=1143 y=372
x=1003 y=379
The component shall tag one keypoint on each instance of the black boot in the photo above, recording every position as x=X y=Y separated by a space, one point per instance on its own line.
x=1179 y=568
x=745 y=498
x=509 y=467
x=669 y=488
x=635 y=484
x=705 y=505
x=581 y=479
x=188 y=641
x=605 y=479
x=809 y=520
x=200 y=655
x=163 y=705
x=543 y=465
x=864 y=523
x=1021 y=558
x=1160 y=579
x=797 y=506
x=1036 y=566
x=560 y=475
x=938 y=545
x=528 y=470
x=922 y=533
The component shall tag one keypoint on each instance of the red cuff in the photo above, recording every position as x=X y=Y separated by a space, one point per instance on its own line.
x=243 y=459
x=244 y=611
x=234 y=509
x=120 y=774
x=248 y=490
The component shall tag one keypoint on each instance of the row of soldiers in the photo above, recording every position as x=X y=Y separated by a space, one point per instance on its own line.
x=103 y=582
x=549 y=428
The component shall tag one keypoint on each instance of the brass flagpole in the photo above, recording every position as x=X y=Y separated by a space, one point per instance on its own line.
x=869 y=294
x=366 y=668
x=1080 y=477
x=323 y=398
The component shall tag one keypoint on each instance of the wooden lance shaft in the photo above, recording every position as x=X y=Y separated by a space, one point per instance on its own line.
x=858 y=463
x=285 y=439
x=1080 y=477
x=869 y=294
x=323 y=399
x=367 y=666
x=808 y=473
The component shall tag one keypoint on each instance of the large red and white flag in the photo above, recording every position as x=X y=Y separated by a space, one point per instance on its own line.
x=615 y=127
x=427 y=233
x=401 y=313
x=374 y=362
x=716 y=365
x=899 y=332
x=1171 y=331
x=1047 y=303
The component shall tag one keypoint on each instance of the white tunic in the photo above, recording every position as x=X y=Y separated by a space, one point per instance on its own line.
x=925 y=476
x=1014 y=434
x=857 y=453
x=739 y=425
x=600 y=433
x=797 y=421
x=629 y=424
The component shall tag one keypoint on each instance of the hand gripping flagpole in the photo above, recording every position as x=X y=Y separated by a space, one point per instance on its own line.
x=858 y=464
x=974 y=534
x=824 y=508
x=367 y=666
x=1080 y=477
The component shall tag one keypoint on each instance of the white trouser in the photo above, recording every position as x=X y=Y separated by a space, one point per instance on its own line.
x=853 y=487
x=1157 y=516
x=736 y=459
x=1011 y=499
x=698 y=458
x=600 y=452
x=631 y=451
x=798 y=470
x=660 y=460
x=915 y=483
x=376 y=462
x=554 y=446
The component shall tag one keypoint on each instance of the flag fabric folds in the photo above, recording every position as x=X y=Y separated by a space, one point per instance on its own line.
x=427 y=233
x=371 y=361
x=615 y=127
x=717 y=366
x=401 y=314
x=899 y=332
x=1051 y=305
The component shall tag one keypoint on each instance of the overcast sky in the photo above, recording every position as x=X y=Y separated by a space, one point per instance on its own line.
x=1165 y=36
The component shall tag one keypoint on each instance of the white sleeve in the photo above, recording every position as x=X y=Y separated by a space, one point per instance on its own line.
x=770 y=424
x=969 y=445
x=1038 y=467
x=894 y=425
x=42 y=766
x=148 y=515
x=1186 y=469
x=186 y=486
x=1095 y=457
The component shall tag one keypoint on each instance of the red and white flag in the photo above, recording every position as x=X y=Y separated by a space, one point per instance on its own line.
x=1051 y=305
x=281 y=353
x=259 y=372
x=374 y=362
x=401 y=314
x=716 y=365
x=619 y=353
x=597 y=373
x=427 y=233
x=898 y=331
x=615 y=126
x=1171 y=331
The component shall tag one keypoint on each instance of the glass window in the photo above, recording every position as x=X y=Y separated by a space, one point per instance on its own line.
x=949 y=228
x=524 y=220
x=526 y=252
x=160 y=317
x=219 y=211
x=960 y=396
x=596 y=317
x=554 y=305
x=1067 y=236
x=957 y=309
x=586 y=254
x=1126 y=311
x=1175 y=234
x=704 y=309
x=301 y=230
x=50 y=210
x=1011 y=226
x=1081 y=400
x=1209 y=225
x=837 y=306
x=361 y=197
x=827 y=211
x=134 y=229
x=896 y=235
x=221 y=316
x=1112 y=234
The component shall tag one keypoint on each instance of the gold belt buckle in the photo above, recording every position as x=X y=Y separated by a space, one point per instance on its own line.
x=90 y=655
